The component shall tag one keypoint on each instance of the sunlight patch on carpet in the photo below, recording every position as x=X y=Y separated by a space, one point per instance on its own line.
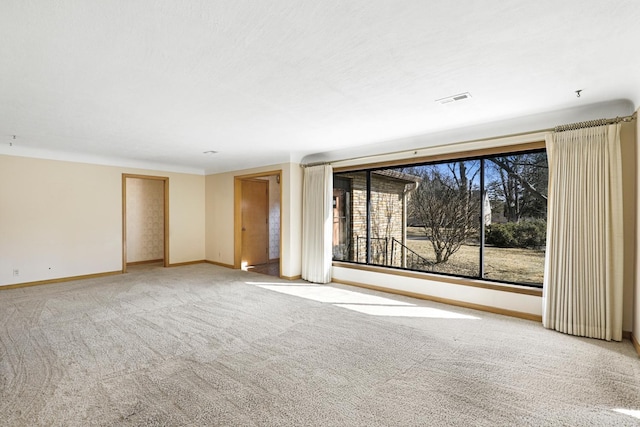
x=395 y=311
x=322 y=293
x=631 y=412
x=372 y=305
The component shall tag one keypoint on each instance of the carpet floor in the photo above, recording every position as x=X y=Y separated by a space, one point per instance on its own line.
x=204 y=345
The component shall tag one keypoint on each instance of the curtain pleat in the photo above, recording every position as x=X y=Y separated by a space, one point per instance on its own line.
x=583 y=281
x=317 y=222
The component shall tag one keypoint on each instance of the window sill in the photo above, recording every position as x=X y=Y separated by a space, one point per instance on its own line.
x=503 y=287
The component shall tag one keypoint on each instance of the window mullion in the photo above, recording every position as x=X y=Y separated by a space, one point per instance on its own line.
x=368 y=218
x=482 y=222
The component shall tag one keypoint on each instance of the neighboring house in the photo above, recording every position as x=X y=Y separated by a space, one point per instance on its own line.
x=390 y=191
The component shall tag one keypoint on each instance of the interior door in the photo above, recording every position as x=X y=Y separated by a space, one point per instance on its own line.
x=255 y=221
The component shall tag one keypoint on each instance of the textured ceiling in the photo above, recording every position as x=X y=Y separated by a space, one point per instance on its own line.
x=158 y=82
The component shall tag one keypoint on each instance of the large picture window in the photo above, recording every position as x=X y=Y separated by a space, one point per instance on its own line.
x=483 y=217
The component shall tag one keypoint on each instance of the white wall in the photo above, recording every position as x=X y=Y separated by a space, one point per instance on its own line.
x=62 y=219
x=292 y=216
x=220 y=216
x=527 y=304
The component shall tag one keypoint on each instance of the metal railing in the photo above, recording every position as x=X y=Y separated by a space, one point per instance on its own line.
x=413 y=260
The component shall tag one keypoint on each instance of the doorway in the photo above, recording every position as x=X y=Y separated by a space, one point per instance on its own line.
x=145 y=220
x=257 y=223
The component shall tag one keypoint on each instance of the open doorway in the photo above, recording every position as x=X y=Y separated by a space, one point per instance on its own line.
x=145 y=220
x=257 y=223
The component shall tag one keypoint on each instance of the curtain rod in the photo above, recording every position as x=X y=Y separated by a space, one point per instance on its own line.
x=562 y=128
x=594 y=123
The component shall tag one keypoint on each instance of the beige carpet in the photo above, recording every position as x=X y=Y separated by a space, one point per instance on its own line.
x=203 y=345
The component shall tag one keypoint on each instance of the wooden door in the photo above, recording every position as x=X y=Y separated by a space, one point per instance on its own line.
x=255 y=221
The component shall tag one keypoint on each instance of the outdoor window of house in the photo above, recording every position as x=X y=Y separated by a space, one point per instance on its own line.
x=483 y=217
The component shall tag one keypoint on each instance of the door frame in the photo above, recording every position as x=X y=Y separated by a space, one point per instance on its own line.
x=165 y=238
x=237 y=215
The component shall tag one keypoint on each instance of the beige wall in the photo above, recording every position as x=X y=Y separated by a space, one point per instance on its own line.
x=219 y=238
x=145 y=219
x=186 y=217
x=62 y=219
x=220 y=216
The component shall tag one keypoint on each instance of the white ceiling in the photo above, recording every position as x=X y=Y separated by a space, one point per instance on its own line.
x=158 y=82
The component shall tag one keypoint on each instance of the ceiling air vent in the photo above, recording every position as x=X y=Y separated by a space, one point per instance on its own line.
x=454 y=98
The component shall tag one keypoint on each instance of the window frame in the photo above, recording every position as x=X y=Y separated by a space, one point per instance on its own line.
x=480 y=155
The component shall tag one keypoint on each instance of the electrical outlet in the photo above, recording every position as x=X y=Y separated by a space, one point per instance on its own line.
x=16 y=272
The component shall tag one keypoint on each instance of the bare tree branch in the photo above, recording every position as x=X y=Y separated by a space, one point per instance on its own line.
x=525 y=183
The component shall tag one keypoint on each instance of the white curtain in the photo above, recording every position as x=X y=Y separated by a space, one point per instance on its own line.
x=583 y=280
x=317 y=223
